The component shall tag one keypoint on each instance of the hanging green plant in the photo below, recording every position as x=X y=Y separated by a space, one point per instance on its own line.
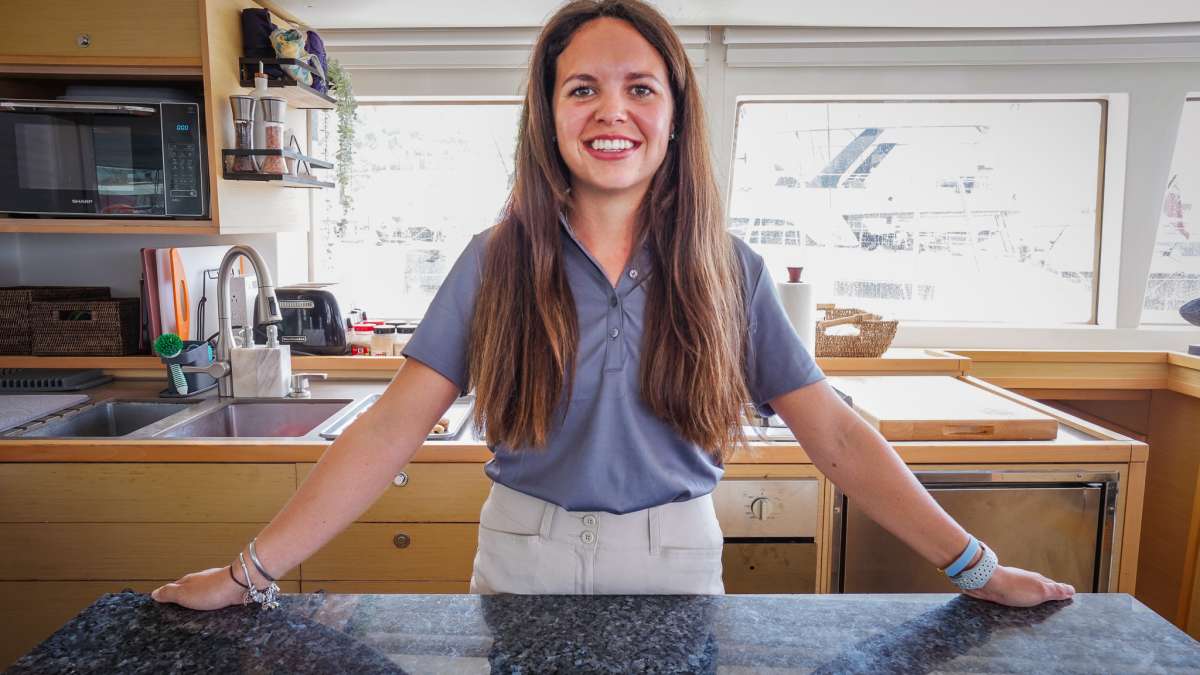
x=347 y=115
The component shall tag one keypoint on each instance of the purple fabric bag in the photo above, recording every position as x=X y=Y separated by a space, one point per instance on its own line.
x=316 y=46
x=256 y=39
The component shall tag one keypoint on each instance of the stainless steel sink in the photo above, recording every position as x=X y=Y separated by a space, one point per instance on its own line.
x=105 y=419
x=257 y=419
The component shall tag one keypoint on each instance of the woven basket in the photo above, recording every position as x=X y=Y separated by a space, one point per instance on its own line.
x=15 y=304
x=85 y=327
x=874 y=334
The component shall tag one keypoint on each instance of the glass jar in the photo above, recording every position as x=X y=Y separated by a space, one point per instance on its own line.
x=382 y=341
x=360 y=340
x=404 y=333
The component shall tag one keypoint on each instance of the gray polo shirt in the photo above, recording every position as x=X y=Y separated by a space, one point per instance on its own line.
x=609 y=452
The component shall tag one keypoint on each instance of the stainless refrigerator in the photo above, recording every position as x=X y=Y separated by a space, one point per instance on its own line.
x=1058 y=523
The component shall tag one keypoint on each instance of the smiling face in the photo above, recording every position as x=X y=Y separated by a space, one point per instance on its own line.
x=612 y=108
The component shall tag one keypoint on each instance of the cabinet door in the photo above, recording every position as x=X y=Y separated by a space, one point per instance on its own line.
x=99 y=551
x=428 y=493
x=120 y=32
x=386 y=587
x=396 y=552
x=135 y=492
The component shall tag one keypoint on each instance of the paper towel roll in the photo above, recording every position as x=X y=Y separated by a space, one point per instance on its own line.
x=797 y=298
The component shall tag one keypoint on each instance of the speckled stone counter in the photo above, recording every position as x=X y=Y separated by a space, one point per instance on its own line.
x=317 y=633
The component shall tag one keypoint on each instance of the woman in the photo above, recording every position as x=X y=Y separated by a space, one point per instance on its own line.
x=612 y=331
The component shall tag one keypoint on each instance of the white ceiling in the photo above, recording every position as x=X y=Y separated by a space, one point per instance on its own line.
x=897 y=13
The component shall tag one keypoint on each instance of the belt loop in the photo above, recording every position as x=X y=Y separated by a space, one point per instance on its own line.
x=653 y=516
x=547 y=519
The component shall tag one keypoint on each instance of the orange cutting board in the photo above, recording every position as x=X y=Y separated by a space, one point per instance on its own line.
x=942 y=408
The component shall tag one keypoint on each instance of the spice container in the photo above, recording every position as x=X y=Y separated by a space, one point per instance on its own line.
x=404 y=333
x=382 y=341
x=360 y=340
x=274 y=110
x=243 y=132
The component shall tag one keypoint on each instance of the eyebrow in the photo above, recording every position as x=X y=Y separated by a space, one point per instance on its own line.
x=584 y=77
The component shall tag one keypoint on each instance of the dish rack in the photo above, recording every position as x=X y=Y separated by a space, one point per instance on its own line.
x=874 y=336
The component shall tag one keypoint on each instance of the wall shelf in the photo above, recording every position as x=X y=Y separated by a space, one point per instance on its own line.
x=299 y=179
x=298 y=95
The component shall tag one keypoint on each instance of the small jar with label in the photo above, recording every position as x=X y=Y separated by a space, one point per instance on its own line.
x=404 y=333
x=360 y=340
x=382 y=341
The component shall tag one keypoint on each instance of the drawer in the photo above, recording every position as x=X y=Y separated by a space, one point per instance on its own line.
x=121 y=32
x=83 y=551
x=428 y=493
x=31 y=611
x=386 y=587
x=396 y=552
x=127 y=493
x=770 y=567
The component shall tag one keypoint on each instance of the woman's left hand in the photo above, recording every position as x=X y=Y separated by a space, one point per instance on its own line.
x=1016 y=587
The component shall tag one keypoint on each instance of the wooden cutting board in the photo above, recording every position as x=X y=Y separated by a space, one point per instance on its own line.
x=942 y=408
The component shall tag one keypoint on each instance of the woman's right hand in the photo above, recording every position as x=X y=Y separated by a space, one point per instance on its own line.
x=207 y=590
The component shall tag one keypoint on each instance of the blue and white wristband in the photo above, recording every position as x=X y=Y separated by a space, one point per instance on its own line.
x=977 y=577
x=955 y=568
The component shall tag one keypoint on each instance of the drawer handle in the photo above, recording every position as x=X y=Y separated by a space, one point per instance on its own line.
x=401 y=540
x=400 y=480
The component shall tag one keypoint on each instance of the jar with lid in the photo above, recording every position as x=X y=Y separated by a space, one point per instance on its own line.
x=360 y=339
x=404 y=333
x=382 y=341
x=274 y=114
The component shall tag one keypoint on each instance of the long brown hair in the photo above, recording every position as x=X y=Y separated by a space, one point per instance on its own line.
x=524 y=333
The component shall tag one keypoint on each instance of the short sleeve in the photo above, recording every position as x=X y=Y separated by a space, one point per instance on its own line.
x=440 y=340
x=777 y=361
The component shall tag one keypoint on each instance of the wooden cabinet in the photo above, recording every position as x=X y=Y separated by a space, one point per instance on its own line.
x=424 y=493
x=396 y=552
x=118 y=32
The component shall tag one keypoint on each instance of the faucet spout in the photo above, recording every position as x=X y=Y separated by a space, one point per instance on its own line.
x=268 y=307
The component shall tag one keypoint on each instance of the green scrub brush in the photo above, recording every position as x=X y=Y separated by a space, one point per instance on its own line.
x=168 y=346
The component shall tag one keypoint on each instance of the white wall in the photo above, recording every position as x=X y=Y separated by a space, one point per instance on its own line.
x=113 y=260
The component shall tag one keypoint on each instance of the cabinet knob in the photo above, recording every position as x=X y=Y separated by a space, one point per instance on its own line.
x=400 y=480
x=83 y=40
x=760 y=508
x=401 y=540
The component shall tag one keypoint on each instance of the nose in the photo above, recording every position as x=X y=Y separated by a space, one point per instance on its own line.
x=610 y=109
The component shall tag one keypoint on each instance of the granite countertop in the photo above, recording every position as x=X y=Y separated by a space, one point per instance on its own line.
x=319 y=633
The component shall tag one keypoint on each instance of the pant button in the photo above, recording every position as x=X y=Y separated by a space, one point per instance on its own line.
x=589 y=520
x=588 y=537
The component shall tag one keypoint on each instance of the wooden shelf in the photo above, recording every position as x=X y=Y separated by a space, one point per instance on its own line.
x=107 y=226
x=298 y=95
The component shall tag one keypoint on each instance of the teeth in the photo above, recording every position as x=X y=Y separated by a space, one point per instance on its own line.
x=611 y=145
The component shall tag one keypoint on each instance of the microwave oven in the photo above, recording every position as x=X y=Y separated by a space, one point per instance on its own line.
x=104 y=159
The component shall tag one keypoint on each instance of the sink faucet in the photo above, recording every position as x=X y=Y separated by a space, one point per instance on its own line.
x=268 y=307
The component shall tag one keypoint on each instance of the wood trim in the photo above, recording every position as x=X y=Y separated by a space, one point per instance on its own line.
x=136 y=71
x=1084 y=394
x=1062 y=356
x=106 y=226
x=1073 y=374
x=67 y=62
x=1184 y=380
x=1135 y=499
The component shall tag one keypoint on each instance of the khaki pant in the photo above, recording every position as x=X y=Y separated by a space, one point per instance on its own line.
x=530 y=546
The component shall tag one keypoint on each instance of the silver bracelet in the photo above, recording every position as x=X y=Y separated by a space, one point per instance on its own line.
x=258 y=563
x=268 y=598
x=974 y=578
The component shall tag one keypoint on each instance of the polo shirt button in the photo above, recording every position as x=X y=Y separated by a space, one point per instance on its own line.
x=589 y=520
x=632 y=274
x=588 y=537
x=612 y=302
x=614 y=333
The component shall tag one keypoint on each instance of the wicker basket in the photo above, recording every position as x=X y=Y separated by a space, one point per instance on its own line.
x=874 y=334
x=15 y=302
x=85 y=327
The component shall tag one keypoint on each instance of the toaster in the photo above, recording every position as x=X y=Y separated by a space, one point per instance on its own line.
x=312 y=324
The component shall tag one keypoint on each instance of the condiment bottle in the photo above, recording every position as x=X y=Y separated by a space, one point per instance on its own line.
x=404 y=333
x=360 y=339
x=274 y=113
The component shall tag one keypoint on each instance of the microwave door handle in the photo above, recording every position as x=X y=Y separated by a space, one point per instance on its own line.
x=54 y=106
